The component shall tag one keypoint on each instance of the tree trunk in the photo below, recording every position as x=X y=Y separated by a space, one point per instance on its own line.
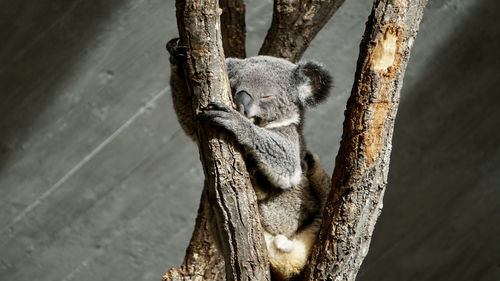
x=362 y=163
x=232 y=202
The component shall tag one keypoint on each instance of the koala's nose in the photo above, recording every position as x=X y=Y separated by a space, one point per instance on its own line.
x=242 y=99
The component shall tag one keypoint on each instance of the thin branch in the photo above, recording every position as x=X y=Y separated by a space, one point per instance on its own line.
x=232 y=202
x=362 y=163
x=295 y=24
x=233 y=28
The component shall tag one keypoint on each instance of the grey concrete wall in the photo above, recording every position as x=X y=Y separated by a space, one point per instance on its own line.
x=97 y=182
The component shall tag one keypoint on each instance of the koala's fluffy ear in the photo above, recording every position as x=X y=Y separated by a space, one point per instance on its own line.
x=313 y=83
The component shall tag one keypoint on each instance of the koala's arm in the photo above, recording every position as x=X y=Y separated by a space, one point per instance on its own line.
x=277 y=153
x=180 y=94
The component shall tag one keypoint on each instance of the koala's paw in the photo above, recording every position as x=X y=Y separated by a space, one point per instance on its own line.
x=221 y=115
x=177 y=53
x=283 y=244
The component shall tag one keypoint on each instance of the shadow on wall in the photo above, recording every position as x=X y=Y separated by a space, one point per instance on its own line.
x=34 y=68
x=440 y=220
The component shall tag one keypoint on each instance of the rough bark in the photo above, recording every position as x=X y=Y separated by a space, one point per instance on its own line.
x=362 y=163
x=233 y=28
x=295 y=24
x=232 y=202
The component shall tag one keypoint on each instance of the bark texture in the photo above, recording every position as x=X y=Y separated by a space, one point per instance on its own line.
x=362 y=163
x=295 y=24
x=232 y=204
x=233 y=28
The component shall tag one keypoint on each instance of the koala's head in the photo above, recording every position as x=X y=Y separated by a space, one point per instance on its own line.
x=274 y=92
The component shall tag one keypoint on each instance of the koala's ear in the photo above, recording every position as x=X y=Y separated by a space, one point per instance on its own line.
x=313 y=83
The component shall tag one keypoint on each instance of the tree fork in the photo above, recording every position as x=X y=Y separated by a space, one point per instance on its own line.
x=361 y=168
x=362 y=163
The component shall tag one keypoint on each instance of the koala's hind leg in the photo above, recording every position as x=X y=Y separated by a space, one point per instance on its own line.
x=319 y=179
x=180 y=94
x=288 y=258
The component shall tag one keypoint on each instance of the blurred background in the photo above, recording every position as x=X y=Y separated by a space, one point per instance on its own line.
x=97 y=181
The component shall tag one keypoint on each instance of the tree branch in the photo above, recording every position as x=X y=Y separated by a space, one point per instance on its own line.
x=295 y=24
x=361 y=169
x=362 y=163
x=233 y=205
x=233 y=28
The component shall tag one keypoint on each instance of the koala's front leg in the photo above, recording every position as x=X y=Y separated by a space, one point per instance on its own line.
x=277 y=155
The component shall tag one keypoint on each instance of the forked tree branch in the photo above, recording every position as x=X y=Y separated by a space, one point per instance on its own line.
x=361 y=168
x=233 y=206
x=295 y=24
x=362 y=163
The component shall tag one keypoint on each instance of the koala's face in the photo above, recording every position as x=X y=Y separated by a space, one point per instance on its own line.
x=272 y=91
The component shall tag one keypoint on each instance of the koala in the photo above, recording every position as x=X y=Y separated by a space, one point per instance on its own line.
x=270 y=97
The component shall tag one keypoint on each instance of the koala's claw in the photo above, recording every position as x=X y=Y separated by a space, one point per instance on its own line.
x=177 y=53
x=219 y=115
